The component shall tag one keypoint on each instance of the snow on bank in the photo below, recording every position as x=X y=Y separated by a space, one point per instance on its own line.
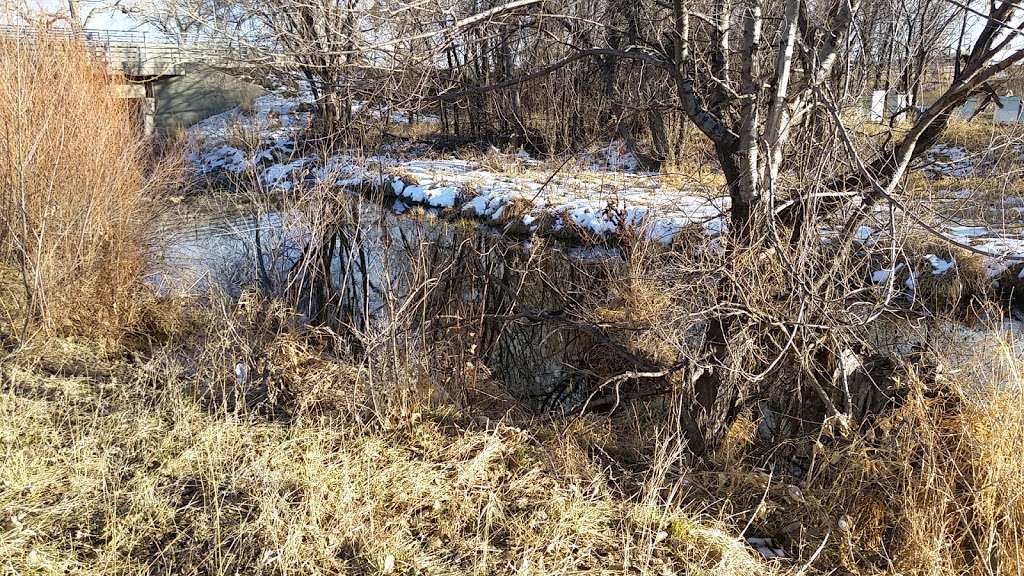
x=595 y=200
x=592 y=202
x=270 y=128
x=596 y=205
x=571 y=205
x=1001 y=252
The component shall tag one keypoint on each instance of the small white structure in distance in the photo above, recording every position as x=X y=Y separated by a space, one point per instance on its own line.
x=885 y=105
x=1008 y=112
x=896 y=106
x=876 y=109
x=966 y=111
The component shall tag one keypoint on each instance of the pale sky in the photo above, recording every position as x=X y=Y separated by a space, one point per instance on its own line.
x=117 y=20
x=101 y=18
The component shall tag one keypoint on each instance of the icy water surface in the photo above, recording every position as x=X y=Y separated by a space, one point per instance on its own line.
x=210 y=244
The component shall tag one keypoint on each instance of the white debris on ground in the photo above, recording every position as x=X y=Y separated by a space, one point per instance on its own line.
x=939 y=266
x=882 y=276
x=766 y=547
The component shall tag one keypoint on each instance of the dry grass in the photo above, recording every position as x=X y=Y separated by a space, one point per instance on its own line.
x=76 y=188
x=979 y=136
x=962 y=289
x=926 y=477
x=138 y=468
x=317 y=464
x=936 y=486
x=415 y=131
x=248 y=106
x=243 y=135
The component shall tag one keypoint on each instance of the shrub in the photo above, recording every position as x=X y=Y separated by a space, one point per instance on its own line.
x=75 y=188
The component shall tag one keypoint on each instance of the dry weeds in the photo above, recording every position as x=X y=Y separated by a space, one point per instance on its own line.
x=136 y=469
x=76 y=188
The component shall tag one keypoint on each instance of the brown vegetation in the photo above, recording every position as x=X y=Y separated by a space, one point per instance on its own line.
x=76 y=188
x=722 y=389
x=165 y=468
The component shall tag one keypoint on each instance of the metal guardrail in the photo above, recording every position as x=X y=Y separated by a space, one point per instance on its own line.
x=137 y=53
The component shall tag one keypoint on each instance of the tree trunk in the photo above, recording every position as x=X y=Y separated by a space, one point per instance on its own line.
x=659 y=137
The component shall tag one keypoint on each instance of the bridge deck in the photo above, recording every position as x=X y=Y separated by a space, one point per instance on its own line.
x=140 y=54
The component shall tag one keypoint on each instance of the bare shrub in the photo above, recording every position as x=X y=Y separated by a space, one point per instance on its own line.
x=76 y=187
x=243 y=136
x=248 y=106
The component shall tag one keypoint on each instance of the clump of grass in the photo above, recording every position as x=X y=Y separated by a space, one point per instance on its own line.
x=415 y=131
x=979 y=136
x=76 y=188
x=964 y=284
x=243 y=135
x=248 y=106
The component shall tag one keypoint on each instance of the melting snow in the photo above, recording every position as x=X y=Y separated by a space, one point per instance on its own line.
x=939 y=266
x=968 y=231
x=277 y=175
x=946 y=160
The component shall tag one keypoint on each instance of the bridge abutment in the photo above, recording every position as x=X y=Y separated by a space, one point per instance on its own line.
x=170 y=85
x=199 y=92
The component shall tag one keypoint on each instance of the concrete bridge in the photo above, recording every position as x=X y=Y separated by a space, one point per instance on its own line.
x=173 y=86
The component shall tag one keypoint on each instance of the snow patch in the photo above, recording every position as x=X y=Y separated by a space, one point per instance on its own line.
x=939 y=266
x=949 y=161
x=880 y=276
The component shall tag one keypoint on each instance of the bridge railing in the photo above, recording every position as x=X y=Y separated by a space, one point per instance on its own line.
x=137 y=53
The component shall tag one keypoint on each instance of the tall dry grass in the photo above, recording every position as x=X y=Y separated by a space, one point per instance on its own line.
x=935 y=486
x=142 y=469
x=76 y=187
